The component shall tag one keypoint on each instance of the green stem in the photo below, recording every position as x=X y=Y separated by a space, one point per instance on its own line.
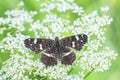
x=42 y=78
x=88 y=73
x=70 y=71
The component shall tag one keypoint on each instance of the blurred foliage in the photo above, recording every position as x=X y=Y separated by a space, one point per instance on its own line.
x=112 y=34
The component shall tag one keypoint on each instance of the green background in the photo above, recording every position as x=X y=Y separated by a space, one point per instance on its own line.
x=112 y=34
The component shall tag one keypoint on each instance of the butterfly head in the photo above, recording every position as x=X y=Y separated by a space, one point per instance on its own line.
x=56 y=39
x=57 y=42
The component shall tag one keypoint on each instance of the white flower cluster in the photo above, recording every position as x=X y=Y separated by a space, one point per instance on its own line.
x=17 y=18
x=61 y=6
x=51 y=25
x=12 y=43
x=21 y=64
x=16 y=67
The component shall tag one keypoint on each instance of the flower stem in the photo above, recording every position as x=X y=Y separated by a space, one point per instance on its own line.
x=88 y=73
x=70 y=71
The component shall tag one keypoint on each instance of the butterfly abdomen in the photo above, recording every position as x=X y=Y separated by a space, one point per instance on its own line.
x=58 y=46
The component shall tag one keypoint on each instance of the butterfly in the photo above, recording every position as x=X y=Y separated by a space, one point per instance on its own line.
x=58 y=49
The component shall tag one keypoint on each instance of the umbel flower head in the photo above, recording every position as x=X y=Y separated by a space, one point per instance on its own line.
x=23 y=64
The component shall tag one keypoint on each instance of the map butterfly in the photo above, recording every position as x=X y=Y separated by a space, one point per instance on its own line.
x=57 y=50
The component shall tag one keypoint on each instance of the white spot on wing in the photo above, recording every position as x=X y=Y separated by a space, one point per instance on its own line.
x=30 y=44
x=41 y=47
x=49 y=55
x=77 y=38
x=35 y=41
x=73 y=44
x=66 y=54
x=81 y=40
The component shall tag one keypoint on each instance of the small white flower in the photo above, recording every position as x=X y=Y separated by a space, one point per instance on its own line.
x=21 y=3
x=105 y=9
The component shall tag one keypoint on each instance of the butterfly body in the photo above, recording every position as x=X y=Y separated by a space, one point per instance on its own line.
x=58 y=46
x=57 y=50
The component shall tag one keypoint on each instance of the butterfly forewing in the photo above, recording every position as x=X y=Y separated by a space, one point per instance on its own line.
x=38 y=44
x=75 y=42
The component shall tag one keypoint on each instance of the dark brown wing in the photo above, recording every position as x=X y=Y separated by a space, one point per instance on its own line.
x=75 y=42
x=49 y=56
x=38 y=44
x=68 y=56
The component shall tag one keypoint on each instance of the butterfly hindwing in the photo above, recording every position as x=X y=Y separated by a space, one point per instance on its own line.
x=68 y=56
x=38 y=44
x=75 y=42
x=49 y=56
x=48 y=60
